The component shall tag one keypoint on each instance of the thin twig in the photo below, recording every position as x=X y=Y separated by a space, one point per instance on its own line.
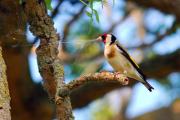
x=55 y=11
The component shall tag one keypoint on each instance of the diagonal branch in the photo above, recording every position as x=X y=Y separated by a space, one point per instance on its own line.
x=55 y=11
x=159 y=37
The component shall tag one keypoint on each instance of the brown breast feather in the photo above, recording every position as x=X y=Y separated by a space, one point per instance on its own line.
x=111 y=54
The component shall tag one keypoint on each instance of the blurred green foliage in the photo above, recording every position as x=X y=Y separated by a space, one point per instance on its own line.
x=103 y=112
x=93 y=11
x=85 y=30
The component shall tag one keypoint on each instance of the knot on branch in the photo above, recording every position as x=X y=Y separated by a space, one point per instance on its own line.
x=62 y=92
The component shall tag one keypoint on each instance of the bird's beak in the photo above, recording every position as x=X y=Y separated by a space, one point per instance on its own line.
x=99 y=39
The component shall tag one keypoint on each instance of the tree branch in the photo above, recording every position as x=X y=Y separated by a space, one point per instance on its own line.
x=55 y=11
x=50 y=66
x=117 y=78
x=53 y=15
x=159 y=37
x=162 y=65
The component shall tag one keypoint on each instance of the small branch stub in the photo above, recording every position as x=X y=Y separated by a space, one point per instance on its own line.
x=62 y=93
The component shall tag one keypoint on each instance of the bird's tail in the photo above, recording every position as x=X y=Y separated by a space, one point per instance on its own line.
x=148 y=86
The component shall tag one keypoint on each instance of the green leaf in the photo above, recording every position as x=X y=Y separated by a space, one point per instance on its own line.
x=91 y=4
x=48 y=5
x=96 y=14
x=88 y=14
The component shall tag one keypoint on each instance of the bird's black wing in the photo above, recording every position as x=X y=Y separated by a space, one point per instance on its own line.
x=131 y=61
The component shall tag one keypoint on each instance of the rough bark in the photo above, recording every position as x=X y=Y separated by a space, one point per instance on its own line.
x=4 y=91
x=103 y=77
x=50 y=66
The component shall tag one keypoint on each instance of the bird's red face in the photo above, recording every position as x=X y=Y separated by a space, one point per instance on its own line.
x=102 y=38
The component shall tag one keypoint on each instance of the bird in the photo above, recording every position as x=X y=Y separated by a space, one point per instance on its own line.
x=121 y=61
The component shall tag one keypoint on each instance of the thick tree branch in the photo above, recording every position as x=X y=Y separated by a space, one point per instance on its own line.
x=4 y=91
x=162 y=65
x=105 y=77
x=50 y=66
x=53 y=15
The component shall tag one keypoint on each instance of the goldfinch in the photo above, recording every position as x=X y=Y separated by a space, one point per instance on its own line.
x=121 y=61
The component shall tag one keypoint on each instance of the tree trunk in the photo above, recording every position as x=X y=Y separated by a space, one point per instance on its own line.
x=4 y=91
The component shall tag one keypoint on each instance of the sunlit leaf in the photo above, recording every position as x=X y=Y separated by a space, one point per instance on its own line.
x=91 y=4
x=88 y=14
x=48 y=4
x=96 y=14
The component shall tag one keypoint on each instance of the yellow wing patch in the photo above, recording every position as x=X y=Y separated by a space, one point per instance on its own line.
x=134 y=61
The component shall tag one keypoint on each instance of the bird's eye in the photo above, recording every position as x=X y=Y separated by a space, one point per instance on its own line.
x=103 y=37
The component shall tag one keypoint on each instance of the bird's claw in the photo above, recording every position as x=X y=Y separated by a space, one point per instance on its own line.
x=121 y=77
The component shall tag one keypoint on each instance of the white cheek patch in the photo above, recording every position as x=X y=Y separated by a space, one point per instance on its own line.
x=108 y=39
